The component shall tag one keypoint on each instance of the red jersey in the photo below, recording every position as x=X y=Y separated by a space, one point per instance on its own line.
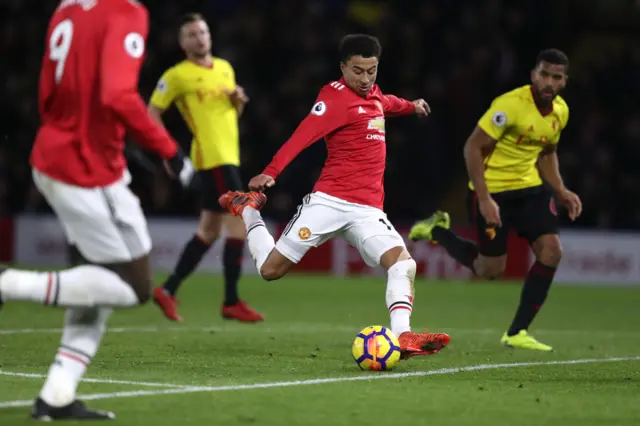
x=353 y=128
x=88 y=95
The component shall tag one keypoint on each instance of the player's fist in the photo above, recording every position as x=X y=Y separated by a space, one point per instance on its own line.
x=422 y=107
x=238 y=97
x=490 y=211
x=572 y=201
x=261 y=182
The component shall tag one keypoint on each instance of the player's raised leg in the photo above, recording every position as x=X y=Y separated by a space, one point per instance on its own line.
x=316 y=221
x=380 y=244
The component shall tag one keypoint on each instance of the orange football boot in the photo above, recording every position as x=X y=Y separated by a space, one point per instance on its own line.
x=167 y=303
x=241 y=312
x=236 y=201
x=412 y=344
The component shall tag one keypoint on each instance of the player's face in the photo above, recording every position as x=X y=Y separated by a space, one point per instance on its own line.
x=195 y=38
x=360 y=73
x=548 y=80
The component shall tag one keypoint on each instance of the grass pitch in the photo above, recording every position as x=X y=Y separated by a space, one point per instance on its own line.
x=296 y=367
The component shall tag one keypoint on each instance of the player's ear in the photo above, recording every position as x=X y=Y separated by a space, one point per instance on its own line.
x=342 y=66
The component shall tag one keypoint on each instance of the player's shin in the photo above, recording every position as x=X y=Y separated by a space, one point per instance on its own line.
x=82 y=286
x=399 y=298
x=461 y=249
x=190 y=257
x=259 y=240
x=534 y=293
x=83 y=331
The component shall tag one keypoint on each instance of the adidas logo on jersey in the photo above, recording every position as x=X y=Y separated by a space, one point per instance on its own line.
x=336 y=85
x=361 y=110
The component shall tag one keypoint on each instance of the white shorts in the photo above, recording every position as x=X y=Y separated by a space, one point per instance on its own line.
x=106 y=224
x=321 y=217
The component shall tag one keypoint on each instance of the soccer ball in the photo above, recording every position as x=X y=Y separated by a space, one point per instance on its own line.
x=376 y=348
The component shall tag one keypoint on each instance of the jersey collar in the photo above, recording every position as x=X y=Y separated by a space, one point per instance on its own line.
x=543 y=112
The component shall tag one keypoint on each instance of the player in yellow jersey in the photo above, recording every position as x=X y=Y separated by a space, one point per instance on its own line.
x=204 y=89
x=509 y=155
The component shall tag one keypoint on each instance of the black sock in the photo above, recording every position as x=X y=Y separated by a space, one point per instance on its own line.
x=232 y=263
x=461 y=249
x=189 y=258
x=534 y=292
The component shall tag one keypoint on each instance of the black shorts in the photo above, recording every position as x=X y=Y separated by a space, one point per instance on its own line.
x=215 y=182
x=531 y=212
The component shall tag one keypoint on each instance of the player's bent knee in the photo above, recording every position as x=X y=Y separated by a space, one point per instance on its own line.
x=403 y=269
x=550 y=255
x=271 y=272
x=490 y=268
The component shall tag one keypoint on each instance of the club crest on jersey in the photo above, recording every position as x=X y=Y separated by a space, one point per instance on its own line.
x=319 y=108
x=304 y=233
x=499 y=119
x=377 y=124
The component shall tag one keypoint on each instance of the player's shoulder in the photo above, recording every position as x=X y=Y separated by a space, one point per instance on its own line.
x=221 y=63
x=329 y=97
x=335 y=88
x=518 y=95
x=179 y=68
x=560 y=105
x=128 y=7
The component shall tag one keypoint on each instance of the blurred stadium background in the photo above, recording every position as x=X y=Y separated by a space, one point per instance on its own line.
x=458 y=55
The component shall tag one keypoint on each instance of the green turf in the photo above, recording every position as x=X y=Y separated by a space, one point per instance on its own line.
x=308 y=333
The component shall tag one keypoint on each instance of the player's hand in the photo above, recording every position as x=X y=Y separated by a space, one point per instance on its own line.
x=490 y=211
x=422 y=108
x=238 y=97
x=180 y=167
x=261 y=182
x=572 y=201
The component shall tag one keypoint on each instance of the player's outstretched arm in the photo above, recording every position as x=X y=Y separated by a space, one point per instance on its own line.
x=549 y=168
x=477 y=147
x=394 y=106
x=156 y=113
x=324 y=118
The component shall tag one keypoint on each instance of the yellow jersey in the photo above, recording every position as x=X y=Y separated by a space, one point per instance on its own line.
x=199 y=94
x=522 y=132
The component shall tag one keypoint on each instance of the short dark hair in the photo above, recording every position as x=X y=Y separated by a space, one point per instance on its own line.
x=359 y=45
x=553 y=56
x=188 y=18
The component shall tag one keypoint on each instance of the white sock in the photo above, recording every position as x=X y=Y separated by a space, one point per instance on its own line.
x=82 y=286
x=83 y=331
x=260 y=242
x=399 y=298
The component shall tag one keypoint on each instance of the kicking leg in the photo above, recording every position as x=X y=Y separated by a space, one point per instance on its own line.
x=192 y=254
x=271 y=264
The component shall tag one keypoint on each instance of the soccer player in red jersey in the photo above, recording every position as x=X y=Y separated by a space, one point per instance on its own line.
x=88 y=98
x=348 y=198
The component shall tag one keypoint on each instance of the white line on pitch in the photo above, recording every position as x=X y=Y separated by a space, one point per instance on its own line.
x=307 y=329
x=105 y=381
x=378 y=376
